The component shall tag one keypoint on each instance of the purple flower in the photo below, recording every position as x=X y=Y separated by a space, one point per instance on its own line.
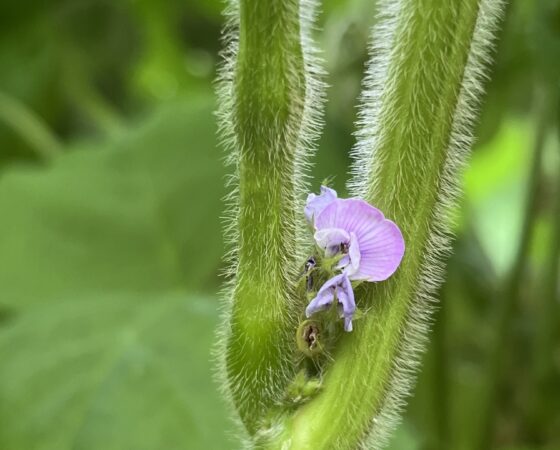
x=317 y=203
x=371 y=246
x=341 y=288
x=363 y=244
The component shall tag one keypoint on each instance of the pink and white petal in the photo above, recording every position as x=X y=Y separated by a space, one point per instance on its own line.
x=382 y=249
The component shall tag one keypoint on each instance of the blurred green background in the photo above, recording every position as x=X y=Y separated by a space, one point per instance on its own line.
x=111 y=187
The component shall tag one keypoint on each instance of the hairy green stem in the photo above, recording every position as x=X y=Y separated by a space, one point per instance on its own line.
x=265 y=94
x=420 y=94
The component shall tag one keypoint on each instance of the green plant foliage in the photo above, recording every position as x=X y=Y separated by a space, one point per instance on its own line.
x=123 y=217
x=112 y=371
x=494 y=190
x=100 y=345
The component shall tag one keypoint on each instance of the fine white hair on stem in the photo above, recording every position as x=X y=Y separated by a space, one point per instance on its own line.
x=303 y=137
x=364 y=181
x=312 y=119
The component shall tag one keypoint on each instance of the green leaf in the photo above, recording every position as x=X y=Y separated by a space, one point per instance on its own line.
x=404 y=438
x=112 y=371
x=495 y=191
x=96 y=353
x=140 y=213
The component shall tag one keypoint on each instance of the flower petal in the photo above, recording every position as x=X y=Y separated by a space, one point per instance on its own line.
x=322 y=301
x=382 y=250
x=350 y=263
x=317 y=203
x=350 y=214
x=381 y=244
x=341 y=285
x=355 y=254
x=324 y=297
x=330 y=239
x=345 y=296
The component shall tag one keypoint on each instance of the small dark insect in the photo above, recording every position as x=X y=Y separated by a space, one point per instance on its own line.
x=344 y=247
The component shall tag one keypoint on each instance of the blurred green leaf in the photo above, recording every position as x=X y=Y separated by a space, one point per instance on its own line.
x=29 y=76
x=112 y=372
x=404 y=438
x=140 y=213
x=495 y=190
x=96 y=352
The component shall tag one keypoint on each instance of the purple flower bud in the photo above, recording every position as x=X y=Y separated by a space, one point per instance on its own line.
x=317 y=203
x=338 y=287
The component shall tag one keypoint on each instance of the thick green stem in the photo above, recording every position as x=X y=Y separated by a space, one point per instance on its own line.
x=268 y=89
x=423 y=85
